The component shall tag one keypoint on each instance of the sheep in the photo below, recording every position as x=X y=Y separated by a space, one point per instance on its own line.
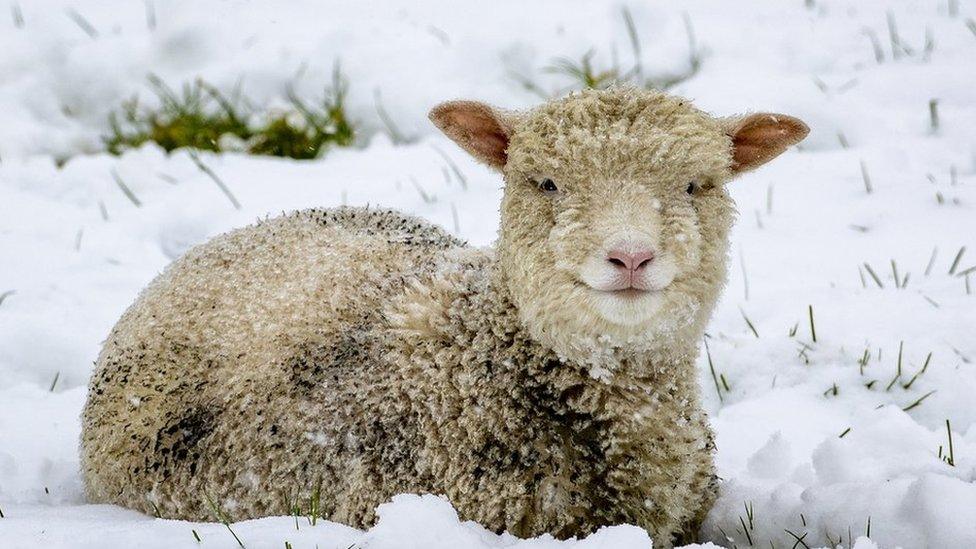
x=546 y=385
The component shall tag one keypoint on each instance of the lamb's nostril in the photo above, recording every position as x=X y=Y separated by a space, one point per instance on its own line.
x=630 y=261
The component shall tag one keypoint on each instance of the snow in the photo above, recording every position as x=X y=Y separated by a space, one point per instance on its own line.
x=807 y=227
x=408 y=522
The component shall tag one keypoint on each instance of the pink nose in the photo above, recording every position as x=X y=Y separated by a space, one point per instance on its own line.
x=630 y=261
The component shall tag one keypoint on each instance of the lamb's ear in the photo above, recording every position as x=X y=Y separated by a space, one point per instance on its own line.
x=478 y=128
x=759 y=138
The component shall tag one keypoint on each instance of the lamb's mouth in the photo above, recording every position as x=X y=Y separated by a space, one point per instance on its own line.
x=628 y=294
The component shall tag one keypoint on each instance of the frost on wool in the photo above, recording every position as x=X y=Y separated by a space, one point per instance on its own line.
x=362 y=353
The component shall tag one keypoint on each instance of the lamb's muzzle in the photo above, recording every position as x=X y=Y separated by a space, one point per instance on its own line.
x=545 y=385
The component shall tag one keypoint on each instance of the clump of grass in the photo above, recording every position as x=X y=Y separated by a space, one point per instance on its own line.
x=743 y=530
x=188 y=119
x=201 y=117
x=586 y=73
x=314 y=510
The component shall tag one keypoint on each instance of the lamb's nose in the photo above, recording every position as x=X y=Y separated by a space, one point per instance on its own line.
x=630 y=261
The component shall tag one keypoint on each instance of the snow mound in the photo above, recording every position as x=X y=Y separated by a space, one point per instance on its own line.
x=407 y=522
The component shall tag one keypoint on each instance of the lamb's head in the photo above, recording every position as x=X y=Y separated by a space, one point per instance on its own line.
x=615 y=216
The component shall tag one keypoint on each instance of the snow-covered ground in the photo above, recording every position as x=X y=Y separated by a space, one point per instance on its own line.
x=819 y=438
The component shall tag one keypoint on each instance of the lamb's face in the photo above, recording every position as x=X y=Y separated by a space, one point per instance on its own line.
x=615 y=221
x=615 y=217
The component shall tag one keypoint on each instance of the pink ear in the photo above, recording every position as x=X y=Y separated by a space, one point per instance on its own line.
x=759 y=138
x=476 y=127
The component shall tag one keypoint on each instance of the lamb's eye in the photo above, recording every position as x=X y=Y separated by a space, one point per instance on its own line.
x=547 y=186
x=692 y=187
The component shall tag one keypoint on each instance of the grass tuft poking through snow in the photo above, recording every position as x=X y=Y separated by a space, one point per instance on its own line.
x=201 y=117
x=588 y=73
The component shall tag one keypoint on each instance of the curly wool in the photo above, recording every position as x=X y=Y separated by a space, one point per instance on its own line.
x=360 y=353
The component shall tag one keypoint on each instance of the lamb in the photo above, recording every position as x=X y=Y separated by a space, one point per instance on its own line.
x=544 y=386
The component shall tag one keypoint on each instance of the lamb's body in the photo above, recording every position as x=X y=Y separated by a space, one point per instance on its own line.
x=362 y=353
x=546 y=386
